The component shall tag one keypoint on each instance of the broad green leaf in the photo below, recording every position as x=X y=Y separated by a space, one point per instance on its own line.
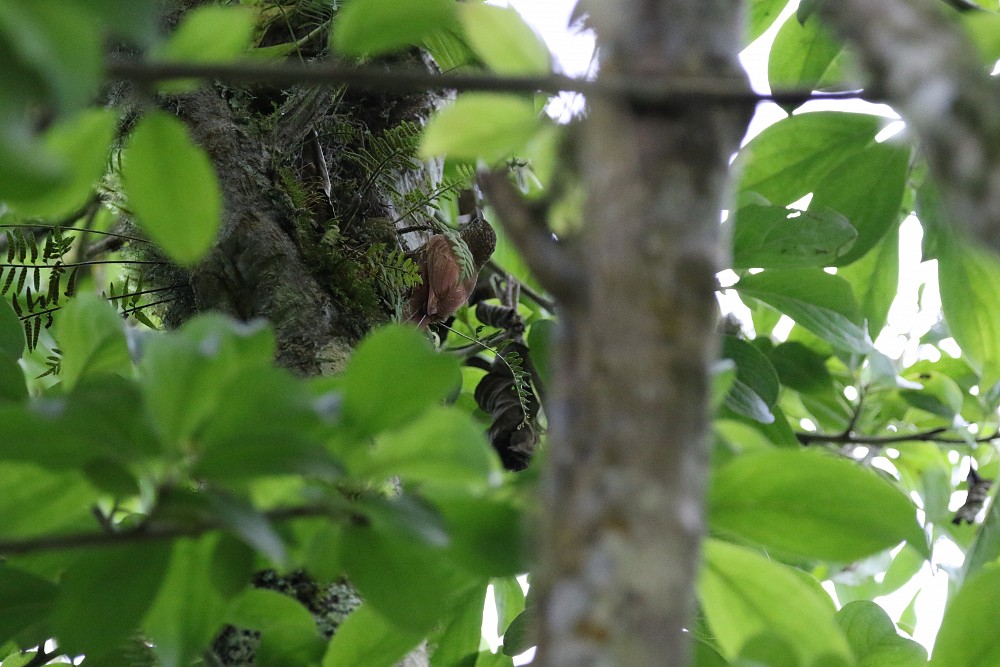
x=969 y=278
x=442 y=447
x=816 y=300
x=755 y=389
x=458 y=641
x=488 y=536
x=968 y=631
x=503 y=40
x=288 y=631
x=407 y=582
x=25 y=599
x=800 y=368
x=541 y=341
x=188 y=612
x=90 y=616
x=209 y=34
x=59 y=43
x=800 y=54
x=393 y=376
x=508 y=596
x=102 y=418
x=874 y=279
x=939 y=394
x=233 y=565
x=983 y=29
x=172 y=188
x=834 y=156
x=188 y=372
x=743 y=594
x=768 y=237
x=723 y=379
x=367 y=638
x=762 y=14
x=248 y=524
x=521 y=634
x=82 y=142
x=273 y=429
x=373 y=27
x=811 y=505
x=92 y=339
x=40 y=502
x=767 y=648
x=487 y=126
x=874 y=640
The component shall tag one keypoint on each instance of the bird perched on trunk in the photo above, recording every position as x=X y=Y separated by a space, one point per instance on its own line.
x=449 y=265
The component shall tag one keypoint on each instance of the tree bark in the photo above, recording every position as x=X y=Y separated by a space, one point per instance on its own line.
x=922 y=63
x=627 y=459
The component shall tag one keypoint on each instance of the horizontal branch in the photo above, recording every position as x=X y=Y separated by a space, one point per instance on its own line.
x=145 y=533
x=646 y=92
x=850 y=438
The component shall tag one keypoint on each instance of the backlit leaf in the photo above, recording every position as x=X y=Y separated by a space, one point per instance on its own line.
x=489 y=126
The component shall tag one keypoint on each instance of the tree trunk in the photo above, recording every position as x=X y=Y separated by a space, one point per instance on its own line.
x=628 y=460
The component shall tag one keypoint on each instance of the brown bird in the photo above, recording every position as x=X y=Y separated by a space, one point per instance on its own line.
x=449 y=265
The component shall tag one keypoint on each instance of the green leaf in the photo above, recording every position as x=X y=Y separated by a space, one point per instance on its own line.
x=723 y=379
x=762 y=14
x=939 y=394
x=373 y=27
x=967 y=632
x=209 y=34
x=521 y=634
x=288 y=631
x=985 y=547
x=834 y=156
x=11 y=333
x=188 y=612
x=244 y=521
x=816 y=300
x=82 y=142
x=800 y=54
x=487 y=126
x=755 y=389
x=443 y=446
x=366 y=638
x=25 y=599
x=766 y=236
x=487 y=533
x=92 y=339
x=502 y=39
x=744 y=594
x=800 y=368
x=541 y=341
x=188 y=372
x=172 y=188
x=273 y=429
x=874 y=279
x=458 y=641
x=59 y=43
x=394 y=376
x=509 y=599
x=58 y=501
x=811 y=505
x=969 y=278
x=90 y=616
x=407 y=582
x=873 y=638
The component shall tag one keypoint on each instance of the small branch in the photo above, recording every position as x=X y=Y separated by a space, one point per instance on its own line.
x=89 y=262
x=646 y=92
x=145 y=533
x=549 y=261
x=40 y=658
x=932 y=435
x=541 y=300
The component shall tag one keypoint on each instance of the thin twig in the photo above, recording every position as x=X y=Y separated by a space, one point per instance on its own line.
x=145 y=533
x=931 y=435
x=648 y=91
